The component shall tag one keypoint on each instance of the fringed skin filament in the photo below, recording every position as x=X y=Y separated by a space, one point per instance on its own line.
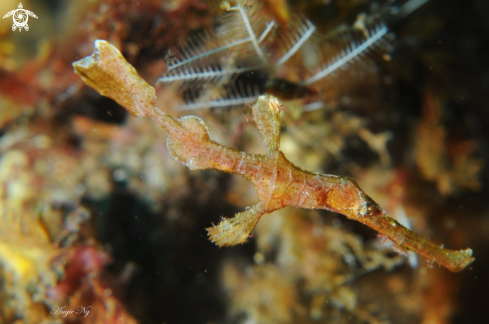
x=278 y=182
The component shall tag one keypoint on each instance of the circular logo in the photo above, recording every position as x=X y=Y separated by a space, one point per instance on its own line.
x=20 y=18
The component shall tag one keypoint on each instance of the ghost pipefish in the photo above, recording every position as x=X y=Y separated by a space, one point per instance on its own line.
x=278 y=182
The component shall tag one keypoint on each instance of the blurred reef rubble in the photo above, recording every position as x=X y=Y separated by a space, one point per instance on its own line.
x=95 y=213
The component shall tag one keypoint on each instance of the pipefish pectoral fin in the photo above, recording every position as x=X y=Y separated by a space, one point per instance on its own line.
x=236 y=230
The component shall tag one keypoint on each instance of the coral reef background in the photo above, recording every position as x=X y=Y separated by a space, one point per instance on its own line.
x=94 y=213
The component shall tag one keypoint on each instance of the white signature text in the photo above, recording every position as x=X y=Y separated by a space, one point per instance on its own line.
x=80 y=310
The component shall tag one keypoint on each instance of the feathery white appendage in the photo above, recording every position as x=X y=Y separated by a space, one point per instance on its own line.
x=267 y=30
x=352 y=52
x=202 y=52
x=218 y=103
x=251 y=32
x=208 y=74
x=298 y=36
x=411 y=6
x=216 y=58
x=233 y=96
x=238 y=30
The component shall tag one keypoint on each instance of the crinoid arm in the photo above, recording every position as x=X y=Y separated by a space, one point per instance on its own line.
x=200 y=58
x=232 y=95
x=351 y=52
x=293 y=39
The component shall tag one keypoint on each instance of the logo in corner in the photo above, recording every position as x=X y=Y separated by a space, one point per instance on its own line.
x=20 y=16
